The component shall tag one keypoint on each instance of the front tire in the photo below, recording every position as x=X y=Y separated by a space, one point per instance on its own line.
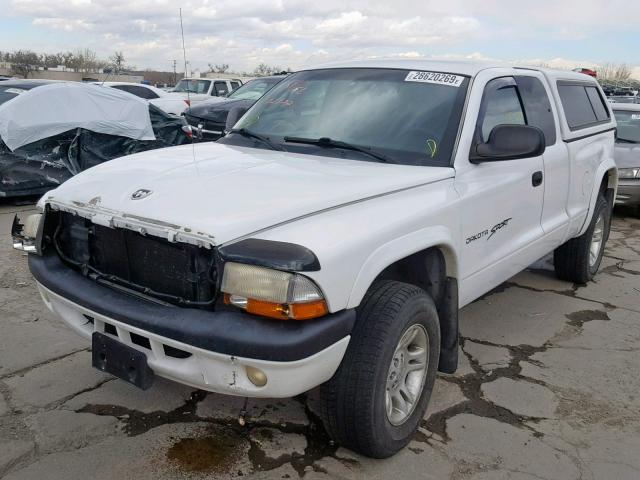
x=375 y=401
x=578 y=259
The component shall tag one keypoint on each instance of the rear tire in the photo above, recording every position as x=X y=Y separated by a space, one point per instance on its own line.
x=578 y=259
x=375 y=401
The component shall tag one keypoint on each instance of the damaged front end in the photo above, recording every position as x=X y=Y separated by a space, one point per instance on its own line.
x=153 y=267
x=27 y=237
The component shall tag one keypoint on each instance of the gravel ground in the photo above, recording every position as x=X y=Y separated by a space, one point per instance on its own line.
x=547 y=389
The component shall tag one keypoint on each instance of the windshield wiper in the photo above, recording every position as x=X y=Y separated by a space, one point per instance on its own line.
x=330 y=143
x=626 y=140
x=249 y=134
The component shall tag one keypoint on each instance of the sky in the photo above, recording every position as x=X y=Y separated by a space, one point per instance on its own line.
x=295 y=33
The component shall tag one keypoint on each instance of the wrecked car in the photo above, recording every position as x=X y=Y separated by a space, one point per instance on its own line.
x=331 y=237
x=50 y=133
x=11 y=88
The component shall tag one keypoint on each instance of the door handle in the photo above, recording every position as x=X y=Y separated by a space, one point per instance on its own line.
x=536 y=179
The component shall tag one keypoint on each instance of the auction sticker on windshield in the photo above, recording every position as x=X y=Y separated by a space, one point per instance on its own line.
x=434 y=77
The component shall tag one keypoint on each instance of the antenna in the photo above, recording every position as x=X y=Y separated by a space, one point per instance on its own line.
x=107 y=77
x=184 y=55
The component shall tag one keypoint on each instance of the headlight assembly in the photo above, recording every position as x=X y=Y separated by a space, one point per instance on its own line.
x=272 y=293
x=628 y=173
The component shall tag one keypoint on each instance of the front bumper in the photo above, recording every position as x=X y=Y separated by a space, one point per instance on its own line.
x=628 y=192
x=204 y=129
x=203 y=349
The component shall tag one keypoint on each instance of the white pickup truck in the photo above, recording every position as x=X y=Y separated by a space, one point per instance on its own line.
x=196 y=90
x=332 y=236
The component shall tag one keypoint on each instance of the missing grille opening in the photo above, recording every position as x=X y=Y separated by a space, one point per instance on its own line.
x=110 y=329
x=140 y=340
x=175 y=352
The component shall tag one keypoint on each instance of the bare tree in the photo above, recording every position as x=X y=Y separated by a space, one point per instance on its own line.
x=117 y=60
x=23 y=62
x=263 y=70
x=615 y=72
x=51 y=60
x=222 y=68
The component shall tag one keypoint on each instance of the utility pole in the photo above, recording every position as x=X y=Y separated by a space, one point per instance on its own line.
x=175 y=75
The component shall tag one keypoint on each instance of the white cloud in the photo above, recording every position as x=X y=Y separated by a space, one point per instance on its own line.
x=293 y=33
x=63 y=24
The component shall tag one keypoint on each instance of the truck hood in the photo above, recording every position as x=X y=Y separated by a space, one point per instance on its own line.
x=227 y=192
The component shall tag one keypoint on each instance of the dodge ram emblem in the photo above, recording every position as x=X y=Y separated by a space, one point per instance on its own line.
x=140 y=194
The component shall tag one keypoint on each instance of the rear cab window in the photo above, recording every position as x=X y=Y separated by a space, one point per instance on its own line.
x=583 y=105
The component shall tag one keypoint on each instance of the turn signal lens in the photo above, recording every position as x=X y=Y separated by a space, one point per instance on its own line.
x=307 y=311
x=280 y=311
x=272 y=293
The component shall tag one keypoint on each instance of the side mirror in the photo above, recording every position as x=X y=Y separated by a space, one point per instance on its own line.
x=509 y=142
x=233 y=116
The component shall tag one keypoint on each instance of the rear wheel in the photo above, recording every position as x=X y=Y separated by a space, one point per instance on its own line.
x=578 y=259
x=376 y=399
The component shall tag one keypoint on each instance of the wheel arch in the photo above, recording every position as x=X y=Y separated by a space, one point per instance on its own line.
x=606 y=183
x=434 y=269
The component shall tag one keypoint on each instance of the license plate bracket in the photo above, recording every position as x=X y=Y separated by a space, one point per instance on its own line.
x=120 y=360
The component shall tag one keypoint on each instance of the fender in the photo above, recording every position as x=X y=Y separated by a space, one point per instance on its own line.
x=399 y=248
x=608 y=165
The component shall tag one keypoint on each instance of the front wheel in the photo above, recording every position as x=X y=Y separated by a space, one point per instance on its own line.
x=377 y=398
x=578 y=259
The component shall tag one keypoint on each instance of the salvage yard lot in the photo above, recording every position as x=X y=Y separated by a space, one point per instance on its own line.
x=547 y=387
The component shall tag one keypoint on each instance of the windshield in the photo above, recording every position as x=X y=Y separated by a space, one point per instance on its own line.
x=254 y=89
x=405 y=116
x=7 y=93
x=628 y=126
x=193 y=86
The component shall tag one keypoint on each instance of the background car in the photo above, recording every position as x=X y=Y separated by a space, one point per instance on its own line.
x=623 y=99
x=627 y=154
x=84 y=126
x=198 y=90
x=175 y=105
x=10 y=89
x=208 y=118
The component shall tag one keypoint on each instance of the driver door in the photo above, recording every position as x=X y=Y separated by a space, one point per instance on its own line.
x=501 y=200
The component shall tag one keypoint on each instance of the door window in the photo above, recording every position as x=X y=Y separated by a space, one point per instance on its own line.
x=501 y=105
x=219 y=89
x=138 y=91
x=537 y=107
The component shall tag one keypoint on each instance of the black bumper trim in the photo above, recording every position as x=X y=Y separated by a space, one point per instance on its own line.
x=226 y=332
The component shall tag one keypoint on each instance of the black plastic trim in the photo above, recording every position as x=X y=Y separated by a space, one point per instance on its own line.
x=448 y=314
x=589 y=135
x=229 y=332
x=272 y=254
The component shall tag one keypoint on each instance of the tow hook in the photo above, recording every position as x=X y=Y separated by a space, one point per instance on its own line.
x=243 y=413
